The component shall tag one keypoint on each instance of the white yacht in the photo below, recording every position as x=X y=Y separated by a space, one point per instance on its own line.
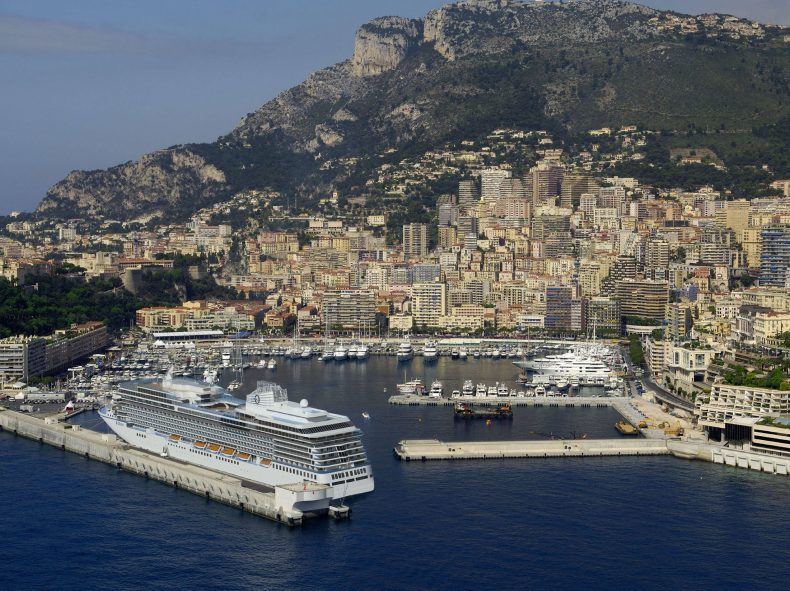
x=266 y=439
x=341 y=353
x=362 y=351
x=463 y=353
x=480 y=391
x=272 y=364
x=411 y=388
x=502 y=390
x=568 y=365
x=405 y=351
x=468 y=389
x=430 y=352
x=351 y=353
x=437 y=390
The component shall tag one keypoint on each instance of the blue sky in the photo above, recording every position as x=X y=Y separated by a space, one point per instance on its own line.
x=87 y=84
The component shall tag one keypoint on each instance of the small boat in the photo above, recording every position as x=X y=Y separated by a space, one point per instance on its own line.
x=366 y=416
x=469 y=388
x=625 y=428
x=272 y=364
x=306 y=353
x=455 y=354
x=492 y=392
x=328 y=355
x=462 y=353
x=262 y=363
x=476 y=354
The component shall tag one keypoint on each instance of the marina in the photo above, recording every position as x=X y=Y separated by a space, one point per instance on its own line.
x=53 y=486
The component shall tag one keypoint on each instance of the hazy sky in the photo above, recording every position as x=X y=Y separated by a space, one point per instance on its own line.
x=87 y=84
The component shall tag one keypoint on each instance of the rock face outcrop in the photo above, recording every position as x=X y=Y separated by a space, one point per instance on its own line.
x=158 y=180
x=381 y=44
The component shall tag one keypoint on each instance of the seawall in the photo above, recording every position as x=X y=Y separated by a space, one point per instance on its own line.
x=277 y=505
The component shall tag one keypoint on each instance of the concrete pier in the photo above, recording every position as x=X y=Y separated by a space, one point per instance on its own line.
x=277 y=505
x=551 y=401
x=433 y=449
x=423 y=450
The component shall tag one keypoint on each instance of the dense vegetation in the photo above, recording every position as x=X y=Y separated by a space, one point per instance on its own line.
x=742 y=175
x=635 y=350
x=56 y=301
x=50 y=302
x=738 y=375
x=173 y=286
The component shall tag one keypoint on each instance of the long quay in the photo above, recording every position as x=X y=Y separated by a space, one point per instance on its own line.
x=433 y=449
x=276 y=504
x=560 y=401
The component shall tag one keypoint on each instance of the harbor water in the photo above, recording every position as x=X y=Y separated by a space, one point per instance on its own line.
x=597 y=523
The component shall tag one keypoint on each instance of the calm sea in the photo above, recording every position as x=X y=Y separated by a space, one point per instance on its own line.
x=593 y=523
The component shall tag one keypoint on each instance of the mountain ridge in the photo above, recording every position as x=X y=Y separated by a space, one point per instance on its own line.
x=463 y=69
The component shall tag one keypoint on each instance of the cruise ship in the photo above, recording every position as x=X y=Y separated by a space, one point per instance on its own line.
x=569 y=365
x=266 y=439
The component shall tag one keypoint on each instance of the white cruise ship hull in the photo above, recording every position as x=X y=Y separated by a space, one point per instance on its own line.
x=356 y=481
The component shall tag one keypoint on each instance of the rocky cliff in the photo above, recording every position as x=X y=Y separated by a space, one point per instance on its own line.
x=463 y=70
x=153 y=184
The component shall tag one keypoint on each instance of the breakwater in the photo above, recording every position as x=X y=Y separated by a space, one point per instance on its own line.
x=276 y=503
